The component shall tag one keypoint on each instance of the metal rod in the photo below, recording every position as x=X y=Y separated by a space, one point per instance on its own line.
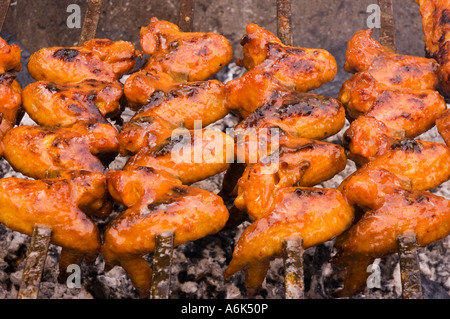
x=34 y=265
x=162 y=262
x=387 y=31
x=292 y=246
x=162 y=258
x=293 y=268
x=284 y=26
x=409 y=267
x=91 y=20
x=407 y=244
x=4 y=6
x=186 y=19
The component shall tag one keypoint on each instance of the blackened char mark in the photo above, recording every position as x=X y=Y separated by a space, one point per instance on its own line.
x=410 y=146
x=66 y=55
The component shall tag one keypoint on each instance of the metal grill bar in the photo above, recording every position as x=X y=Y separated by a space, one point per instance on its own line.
x=34 y=265
x=407 y=244
x=162 y=258
x=293 y=246
x=91 y=20
x=186 y=19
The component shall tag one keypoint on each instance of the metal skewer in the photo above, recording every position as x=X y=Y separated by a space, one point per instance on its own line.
x=34 y=265
x=293 y=268
x=186 y=20
x=292 y=246
x=409 y=267
x=162 y=262
x=91 y=20
x=407 y=243
x=162 y=257
x=4 y=6
x=284 y=25
x=41 y=237
x=387 y=30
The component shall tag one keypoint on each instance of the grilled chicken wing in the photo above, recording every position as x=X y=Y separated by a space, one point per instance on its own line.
x=304 y=162
x=274 y=66
x=61 y=105
x=190 y=105
x=409 y=159
x=98 y=59
x=315 y=214
x=191 y=156
x=410 y=112
x=367 y=138
x=436 y=27
x=392 y=209
x=40 y=151
x=396 y=70
x=185 y=56
x=298 y=114
x=157 y=203
x=59 y=203
x=176 y=57
x=443 y=126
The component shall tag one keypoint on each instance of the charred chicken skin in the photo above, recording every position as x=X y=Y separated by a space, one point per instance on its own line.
x=39 y=152
x=176 y=57
x=436 y=27
x=61 y=105
x=273 y=66
x=97 y=59
x=391 y=209
x=315 y=214
x=157 y=203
